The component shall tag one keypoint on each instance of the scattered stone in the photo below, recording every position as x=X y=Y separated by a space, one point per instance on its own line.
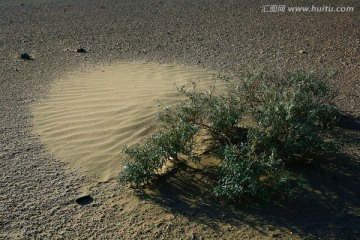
x=81 y=50
x=302 y=51
x=84 y=200
x=25 y=56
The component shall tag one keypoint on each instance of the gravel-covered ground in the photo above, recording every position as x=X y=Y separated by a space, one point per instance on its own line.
x=37 y=192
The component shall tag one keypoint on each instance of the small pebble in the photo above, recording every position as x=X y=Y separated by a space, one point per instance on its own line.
x=25 y=56
x=81 y=50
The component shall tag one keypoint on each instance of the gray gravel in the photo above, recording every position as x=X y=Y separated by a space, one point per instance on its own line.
x=38 y=192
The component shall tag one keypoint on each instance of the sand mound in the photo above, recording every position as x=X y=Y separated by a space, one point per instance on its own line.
x=87 y=120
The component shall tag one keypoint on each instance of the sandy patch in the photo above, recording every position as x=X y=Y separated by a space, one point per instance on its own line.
x=87 y=120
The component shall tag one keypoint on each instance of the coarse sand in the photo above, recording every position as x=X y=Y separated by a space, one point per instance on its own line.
x=74 y=39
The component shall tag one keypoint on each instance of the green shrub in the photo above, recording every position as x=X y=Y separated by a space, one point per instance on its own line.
x=218 y=113
x=244 y=172
x=150 y=155
x=291 y=113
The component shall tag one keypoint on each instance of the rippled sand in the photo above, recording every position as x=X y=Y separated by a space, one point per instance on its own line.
x=88 y=119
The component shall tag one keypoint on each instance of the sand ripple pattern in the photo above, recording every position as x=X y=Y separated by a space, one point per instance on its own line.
x=87 y=120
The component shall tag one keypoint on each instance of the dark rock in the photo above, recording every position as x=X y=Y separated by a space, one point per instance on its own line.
x=25 y=56
x=84 y=200
x=81 y=50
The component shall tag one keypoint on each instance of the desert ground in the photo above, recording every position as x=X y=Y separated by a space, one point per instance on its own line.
x=38 y=189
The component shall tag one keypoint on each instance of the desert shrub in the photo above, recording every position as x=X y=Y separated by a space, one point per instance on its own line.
x=244 y=172
x=150 y=155
x=219 y=113
x=291 y=113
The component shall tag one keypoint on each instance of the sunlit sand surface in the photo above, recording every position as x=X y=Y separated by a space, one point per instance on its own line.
x=87 y=120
